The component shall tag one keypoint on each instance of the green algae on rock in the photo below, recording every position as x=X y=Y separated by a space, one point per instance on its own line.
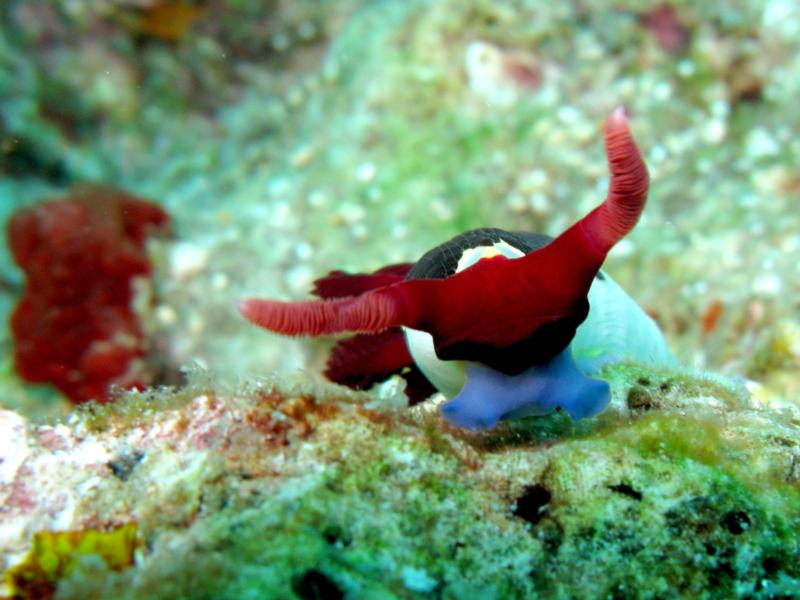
x=275 y=491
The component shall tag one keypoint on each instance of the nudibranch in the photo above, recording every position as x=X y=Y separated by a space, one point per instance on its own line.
x=504 y=324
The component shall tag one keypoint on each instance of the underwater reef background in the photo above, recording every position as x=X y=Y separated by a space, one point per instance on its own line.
x=286 y=139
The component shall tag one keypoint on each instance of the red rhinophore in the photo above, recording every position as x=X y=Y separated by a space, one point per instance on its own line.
x=74 y=326
x=497 y=301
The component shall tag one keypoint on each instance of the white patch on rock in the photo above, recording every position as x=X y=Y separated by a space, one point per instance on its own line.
x=187 y=260
x=13 y=446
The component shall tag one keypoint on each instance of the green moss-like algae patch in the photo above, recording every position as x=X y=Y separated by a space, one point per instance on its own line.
x=693 y=497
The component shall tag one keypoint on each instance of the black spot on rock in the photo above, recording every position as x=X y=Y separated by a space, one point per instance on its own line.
x=454 y=547
x=643 y=381
x=123 y=464
x=736 y=521
x=640 y=399
x=315 y=585
x=771 y=565
x=532 y=504
x=334 y=535
x=626 y=490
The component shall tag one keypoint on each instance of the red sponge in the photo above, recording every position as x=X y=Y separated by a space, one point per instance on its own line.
x=74 y=326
